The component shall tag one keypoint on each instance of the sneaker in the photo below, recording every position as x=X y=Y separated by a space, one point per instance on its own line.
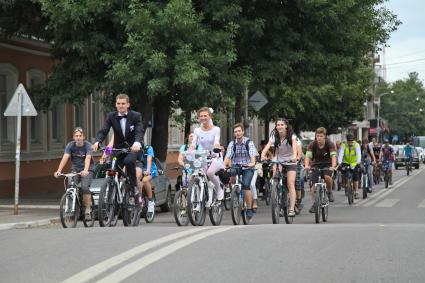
x=151 y=206
x=311 y=210
x=291 y=213
x=331 y=197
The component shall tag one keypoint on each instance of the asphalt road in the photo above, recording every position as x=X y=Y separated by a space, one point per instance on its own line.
x=379 y=239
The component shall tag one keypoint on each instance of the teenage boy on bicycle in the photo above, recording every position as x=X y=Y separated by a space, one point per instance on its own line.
x=321 y=153
x=242 y=152
x=80 y=152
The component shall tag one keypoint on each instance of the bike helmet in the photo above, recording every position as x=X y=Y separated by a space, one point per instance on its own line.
x=350 y=137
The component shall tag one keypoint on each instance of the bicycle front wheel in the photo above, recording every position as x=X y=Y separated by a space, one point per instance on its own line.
x=234 y=205
x=216 y=211
x=180 y=208
x=69 y=210
x=129 y=209
x=317 y=202
x=274 y=204
x=107 y=207
x=196 y=205
x=267 y=193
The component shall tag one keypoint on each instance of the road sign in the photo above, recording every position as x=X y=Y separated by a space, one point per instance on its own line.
x=20 y=105
x=257 y=100
x=22 y=100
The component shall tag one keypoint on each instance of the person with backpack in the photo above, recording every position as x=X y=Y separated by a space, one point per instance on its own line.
x=369 y=157
x=146 y=170
x=241 y=152
x=321 y=153
x=80 y=152
x=284 y=141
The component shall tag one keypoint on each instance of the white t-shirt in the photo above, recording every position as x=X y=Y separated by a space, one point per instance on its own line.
x=284 y=151
x=206 y=139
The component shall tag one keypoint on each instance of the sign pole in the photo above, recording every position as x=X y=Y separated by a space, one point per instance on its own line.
x=18 y=153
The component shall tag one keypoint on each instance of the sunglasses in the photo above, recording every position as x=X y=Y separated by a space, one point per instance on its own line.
x=79 y=129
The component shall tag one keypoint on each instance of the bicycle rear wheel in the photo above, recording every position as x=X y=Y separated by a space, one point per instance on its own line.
x=107 y=206
x=69 y=214
x=215 y=211
x=350 y=192
x=90 y=223
x=234 y=205
x=180 y=208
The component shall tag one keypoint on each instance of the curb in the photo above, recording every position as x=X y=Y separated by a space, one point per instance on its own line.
x=29 y=224
x=31 y=206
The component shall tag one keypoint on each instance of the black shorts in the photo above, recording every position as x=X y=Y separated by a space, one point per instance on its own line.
x=316 y=173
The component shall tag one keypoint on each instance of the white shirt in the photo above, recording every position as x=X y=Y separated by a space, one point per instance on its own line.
x=206 y=139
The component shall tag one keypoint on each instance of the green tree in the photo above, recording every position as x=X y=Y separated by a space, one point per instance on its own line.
x=404 y=109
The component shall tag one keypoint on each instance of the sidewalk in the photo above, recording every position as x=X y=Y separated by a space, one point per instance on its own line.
x=34 y=211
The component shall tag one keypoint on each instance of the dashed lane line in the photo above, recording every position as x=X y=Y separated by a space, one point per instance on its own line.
x=388 y=202
x=137 y=265
x=97 y=269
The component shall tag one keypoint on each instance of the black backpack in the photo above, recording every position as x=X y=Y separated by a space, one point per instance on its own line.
x=246 y=146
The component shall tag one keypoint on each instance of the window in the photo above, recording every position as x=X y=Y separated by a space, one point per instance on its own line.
x=79 y=116
x=97 y=116
x=37 y=134
x=58 y=126
x=8 y=83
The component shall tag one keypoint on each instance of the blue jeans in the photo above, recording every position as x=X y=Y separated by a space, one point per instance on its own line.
x=247 y=175
x=369 y=175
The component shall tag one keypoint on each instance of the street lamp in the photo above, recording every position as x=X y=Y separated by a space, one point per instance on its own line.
x=378 y=120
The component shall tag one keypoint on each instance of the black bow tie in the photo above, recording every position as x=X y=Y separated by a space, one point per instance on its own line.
x=122 y=117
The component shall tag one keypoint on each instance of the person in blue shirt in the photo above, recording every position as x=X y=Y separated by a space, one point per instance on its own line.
x=146 y=166
x=408 y=151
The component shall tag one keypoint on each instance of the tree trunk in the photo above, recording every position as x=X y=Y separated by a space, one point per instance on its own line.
x=187 y=123
x=238 y=109
x=266 y=129
x=144 y=105
x=161 y=110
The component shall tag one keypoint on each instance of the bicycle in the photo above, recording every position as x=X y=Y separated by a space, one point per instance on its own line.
x=225 y=185
x=143 y=202
x=180 y=203
x=116 y=194
x=408 y=165
x=238 y=204
x=364 y=179
x=377 y=173
x=71 y=208
x=267 y=176
x=279 y=200
x=348 y=172
x=321 y=200
x=197 y=196
x=386 y=170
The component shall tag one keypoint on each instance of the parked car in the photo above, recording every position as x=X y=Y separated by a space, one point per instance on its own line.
x=161 y=185
x=421 y=153
x=399 y=160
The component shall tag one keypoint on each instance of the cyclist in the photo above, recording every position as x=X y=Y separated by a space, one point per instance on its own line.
x=350 y=153
x=387 y=155
x=284 y=140
x=408 y=153
x=208 y=137
x=146 y=165
x=80 y=152
x=128 y=129
x=369 y=157
x=180 y=158
x=321 y=153
x=242 y=152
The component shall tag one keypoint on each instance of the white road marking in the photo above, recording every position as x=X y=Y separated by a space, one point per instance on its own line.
x=422 y=204
x=96 y=270
x=135 y=266
x=389 y=202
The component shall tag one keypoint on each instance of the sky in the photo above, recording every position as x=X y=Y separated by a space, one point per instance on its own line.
x=406 y=51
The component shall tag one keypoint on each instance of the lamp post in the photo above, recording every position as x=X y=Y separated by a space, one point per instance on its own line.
x=378 y=120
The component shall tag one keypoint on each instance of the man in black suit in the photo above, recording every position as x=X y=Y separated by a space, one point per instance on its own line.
x=128 y=129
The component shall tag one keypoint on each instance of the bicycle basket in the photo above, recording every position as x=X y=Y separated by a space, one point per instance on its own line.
x=195 y=159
